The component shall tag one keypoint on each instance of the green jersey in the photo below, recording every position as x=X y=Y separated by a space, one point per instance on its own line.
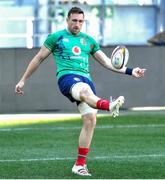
x=71 y=52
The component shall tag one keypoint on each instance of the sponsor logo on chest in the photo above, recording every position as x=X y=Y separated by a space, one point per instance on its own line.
x=76 y=50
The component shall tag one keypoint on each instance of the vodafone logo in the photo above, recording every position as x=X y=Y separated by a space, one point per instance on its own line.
x=76 y=50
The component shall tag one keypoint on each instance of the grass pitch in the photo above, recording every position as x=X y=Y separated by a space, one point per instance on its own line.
x=130 y=146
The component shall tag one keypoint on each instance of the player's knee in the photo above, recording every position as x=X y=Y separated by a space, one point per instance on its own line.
x=85 y=93
x=81 y=91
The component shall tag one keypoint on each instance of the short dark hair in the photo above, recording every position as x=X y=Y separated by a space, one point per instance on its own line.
x=75 y=10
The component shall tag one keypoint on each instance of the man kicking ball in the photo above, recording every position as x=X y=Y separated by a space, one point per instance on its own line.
x=71 y=50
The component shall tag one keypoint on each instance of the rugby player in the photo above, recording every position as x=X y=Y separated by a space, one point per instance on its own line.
x=71 y=50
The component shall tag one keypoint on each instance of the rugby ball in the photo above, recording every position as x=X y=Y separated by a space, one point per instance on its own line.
x=119 y=57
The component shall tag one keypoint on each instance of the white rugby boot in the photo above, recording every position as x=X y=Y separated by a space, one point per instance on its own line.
x=80 y=170
x=115 y=105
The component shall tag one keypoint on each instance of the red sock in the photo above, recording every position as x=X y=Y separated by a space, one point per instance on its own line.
x=103 y=104
x=82 y=154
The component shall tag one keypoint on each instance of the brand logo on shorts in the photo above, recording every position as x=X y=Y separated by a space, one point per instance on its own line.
x=76 y=50
x=76 y=79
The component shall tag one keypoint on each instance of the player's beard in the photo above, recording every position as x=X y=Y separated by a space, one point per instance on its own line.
x=75 y=30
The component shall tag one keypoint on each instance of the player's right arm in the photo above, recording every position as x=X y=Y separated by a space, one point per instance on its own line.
x=102 y=58
x=33 y=65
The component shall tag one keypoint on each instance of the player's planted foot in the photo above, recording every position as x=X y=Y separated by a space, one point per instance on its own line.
x=81 y=170
x=115 y=106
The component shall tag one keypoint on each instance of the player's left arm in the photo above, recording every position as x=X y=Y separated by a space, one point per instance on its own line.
x=105 y=61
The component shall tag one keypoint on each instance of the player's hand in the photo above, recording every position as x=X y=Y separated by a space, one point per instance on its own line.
x=138 y=72
x=19 y=88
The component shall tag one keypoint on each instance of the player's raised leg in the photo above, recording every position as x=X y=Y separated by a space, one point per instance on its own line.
x=82 y=92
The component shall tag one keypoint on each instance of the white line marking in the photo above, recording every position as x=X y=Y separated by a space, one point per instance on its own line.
x=37 y=159
x=15 y=117
x=78 y=127
x=140 y=156
x=131 y=126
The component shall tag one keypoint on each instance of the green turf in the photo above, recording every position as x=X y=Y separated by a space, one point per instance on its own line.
x=127 y=147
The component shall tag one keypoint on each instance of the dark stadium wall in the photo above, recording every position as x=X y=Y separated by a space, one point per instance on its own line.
x=42 y=93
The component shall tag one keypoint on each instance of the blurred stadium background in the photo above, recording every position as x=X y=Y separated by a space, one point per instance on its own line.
x=136 y=23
